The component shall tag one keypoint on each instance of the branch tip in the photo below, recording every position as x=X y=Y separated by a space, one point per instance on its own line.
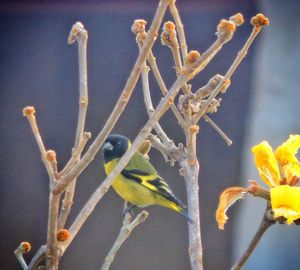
x=24 y=247
x=225 y=30
x=138 y=26
x=168 y=36
x=192 y=57
x=28 y=111
x=237 y=19
x=51 y=155
x=260 y=20
x=77 y=31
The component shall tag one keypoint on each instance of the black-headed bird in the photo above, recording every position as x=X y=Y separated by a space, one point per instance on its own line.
x=139 y=182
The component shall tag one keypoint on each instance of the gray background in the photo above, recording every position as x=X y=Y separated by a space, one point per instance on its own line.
x=38 y=68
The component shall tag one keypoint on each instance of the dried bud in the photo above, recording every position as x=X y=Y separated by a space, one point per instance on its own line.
x=170 y=101
x=259 y=20
x=87 y=135
x=194 y=129
x=168 y=36
x=225 y=28
x=51 y=155
x=140 y=37
x=138 y=26
x=192 y=57
x=237 y=19
x=28 y=111
x=25 y=247
x=164 y=37
x=192 y=162
x=76 y=31
x=169 y=26
x=225 y=86
x=63 y=235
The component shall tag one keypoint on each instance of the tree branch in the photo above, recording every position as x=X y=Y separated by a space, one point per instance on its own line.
x=79 y=34
x=265 y=224
x=122 y=102
x=229 y=73
x=127 y=228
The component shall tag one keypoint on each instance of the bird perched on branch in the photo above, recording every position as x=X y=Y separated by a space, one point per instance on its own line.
x=138 y=183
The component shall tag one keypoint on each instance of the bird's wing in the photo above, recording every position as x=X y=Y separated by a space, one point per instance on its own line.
x=141 y=171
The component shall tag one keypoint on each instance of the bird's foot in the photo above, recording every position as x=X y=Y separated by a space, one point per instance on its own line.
x=129 y=209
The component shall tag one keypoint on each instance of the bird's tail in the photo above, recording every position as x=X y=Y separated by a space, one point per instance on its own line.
x=184 y=212
x=181 y=208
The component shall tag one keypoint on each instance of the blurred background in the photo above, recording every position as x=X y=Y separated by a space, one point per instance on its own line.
x=38 y=67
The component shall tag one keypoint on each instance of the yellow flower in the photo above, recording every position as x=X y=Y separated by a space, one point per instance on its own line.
x=285 y=202
x=280 y=171
x=266 y=163
x=285 y=155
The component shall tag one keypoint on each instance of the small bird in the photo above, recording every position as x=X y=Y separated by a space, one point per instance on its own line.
x=139 y=182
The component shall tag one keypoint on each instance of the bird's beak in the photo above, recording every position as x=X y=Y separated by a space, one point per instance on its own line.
x=108 y=146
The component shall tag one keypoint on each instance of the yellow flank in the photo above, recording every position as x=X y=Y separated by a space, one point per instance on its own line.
x=136 y=193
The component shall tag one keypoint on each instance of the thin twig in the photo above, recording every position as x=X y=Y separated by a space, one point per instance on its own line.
x=126 y=230
x=162 y=86
x=148 y=103
x=29 y=112
x=218 y=129
x=180 y=29
x=122 y=101
x=76 y=154
x=38 y=257
x=265 y=224
x=79 y=34
x=52 y=259
x=19 y=255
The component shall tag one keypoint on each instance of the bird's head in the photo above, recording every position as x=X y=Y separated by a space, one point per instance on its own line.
x=115 y=146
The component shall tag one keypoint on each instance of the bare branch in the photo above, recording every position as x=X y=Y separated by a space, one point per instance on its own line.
x=218 y=129
x=225 y=32
x=162 y=86
x=265 y=224
x=229 y=73
x=122 y=102
x=24 y=247
x=148 y=103
x=29 y=112
x=76 y=154
x=79 y=34
x=38 y=257
x=126 y=230
x=190 y=170
x=180 y=29
x=52 y=256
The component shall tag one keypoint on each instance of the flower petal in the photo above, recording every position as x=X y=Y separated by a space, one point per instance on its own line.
x=266 y=163
x=285 y=155
x=285 y=201
x=228 y=197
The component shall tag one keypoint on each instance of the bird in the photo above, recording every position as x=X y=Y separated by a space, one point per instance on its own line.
x=138 y=183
